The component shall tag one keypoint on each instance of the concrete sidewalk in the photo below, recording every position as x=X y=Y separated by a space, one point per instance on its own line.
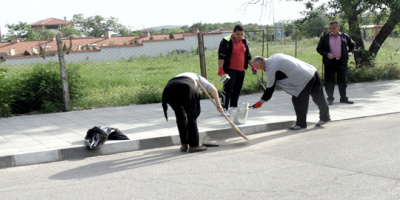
x=34 y=139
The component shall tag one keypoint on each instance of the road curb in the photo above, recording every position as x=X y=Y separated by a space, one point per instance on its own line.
x=247 y=130
x=118 y=146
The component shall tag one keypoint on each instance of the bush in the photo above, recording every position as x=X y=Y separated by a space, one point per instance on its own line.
x=40 y=89
x=5 y=94
x=148 y=94
x=388 y=71
x=26 y=53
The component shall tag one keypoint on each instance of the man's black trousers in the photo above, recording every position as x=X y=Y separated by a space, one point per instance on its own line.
x=181 y=95
x=231 y=90
x=338 y=69
x=300 y=103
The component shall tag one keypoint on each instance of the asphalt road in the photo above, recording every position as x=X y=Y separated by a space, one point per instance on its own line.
x=352 y=159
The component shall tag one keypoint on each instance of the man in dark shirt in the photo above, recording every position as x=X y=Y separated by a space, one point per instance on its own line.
x=333 y=47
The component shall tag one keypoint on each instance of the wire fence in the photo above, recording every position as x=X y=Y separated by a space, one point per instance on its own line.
x=125 y=70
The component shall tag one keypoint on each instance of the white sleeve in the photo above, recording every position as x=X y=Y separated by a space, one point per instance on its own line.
x=207 y=85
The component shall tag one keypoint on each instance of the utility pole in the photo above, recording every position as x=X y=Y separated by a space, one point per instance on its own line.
x=202 y=55
x=63 y=71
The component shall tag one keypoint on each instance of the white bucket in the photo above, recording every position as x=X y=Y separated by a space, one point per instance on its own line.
x=239 y=114
x=225 y=78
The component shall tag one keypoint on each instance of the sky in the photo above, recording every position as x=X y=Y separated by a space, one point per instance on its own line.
x=142 y=14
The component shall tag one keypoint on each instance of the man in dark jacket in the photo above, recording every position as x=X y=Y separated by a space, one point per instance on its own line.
x=233 y=59
x=336 y=47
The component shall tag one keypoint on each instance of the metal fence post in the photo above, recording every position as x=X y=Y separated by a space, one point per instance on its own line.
x=64 y=79
x=267 y=42
x=202 y=55
x=295 y=46
x=266 y=37
x=322 y=67
x=263 y=43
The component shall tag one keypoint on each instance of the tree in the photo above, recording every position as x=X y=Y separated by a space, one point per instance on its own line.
x=32 y=35
x=23 y=31
x=390 y=25
x=17 y=30
x=352 y=12
x=96 y=25
x=68 y=31
x=46 y=35
x=172 y=30
x=312 y=28
x=124 y=31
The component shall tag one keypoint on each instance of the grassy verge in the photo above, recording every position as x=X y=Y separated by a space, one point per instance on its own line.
x=141 y=80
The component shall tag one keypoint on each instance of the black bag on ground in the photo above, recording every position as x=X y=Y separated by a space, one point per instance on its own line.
x=97 y=136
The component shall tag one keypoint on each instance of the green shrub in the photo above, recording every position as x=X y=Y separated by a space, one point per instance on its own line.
x=388 y=71
x=148 y=94
x=64 y=47
x=141 y=80
x=40 y=89
x=5 y=94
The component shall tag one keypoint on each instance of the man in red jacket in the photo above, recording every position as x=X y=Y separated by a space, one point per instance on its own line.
x=233 y=59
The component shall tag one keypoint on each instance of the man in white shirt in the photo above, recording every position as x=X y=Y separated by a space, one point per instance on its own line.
x=182 y=94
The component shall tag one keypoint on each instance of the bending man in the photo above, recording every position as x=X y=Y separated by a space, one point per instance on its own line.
x=182 y=94
x=297 y=78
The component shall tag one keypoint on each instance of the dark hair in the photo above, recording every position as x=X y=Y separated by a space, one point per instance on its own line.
x=238 y=28
x=334 y=22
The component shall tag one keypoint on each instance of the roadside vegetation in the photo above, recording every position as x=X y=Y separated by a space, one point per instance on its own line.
x=37 y=88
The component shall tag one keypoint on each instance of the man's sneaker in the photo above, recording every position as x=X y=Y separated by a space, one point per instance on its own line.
x=321 y=122
x=226 y=112
x=296 y=127
x=184 y=147
x=197 y=149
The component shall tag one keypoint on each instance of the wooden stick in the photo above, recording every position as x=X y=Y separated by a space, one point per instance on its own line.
x=217 y=106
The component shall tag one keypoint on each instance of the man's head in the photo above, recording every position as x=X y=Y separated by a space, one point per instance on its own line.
x=238 y=32
x=334 y=28
x=258 y=62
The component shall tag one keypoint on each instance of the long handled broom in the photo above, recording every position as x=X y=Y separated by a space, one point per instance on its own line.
x=230 y=122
